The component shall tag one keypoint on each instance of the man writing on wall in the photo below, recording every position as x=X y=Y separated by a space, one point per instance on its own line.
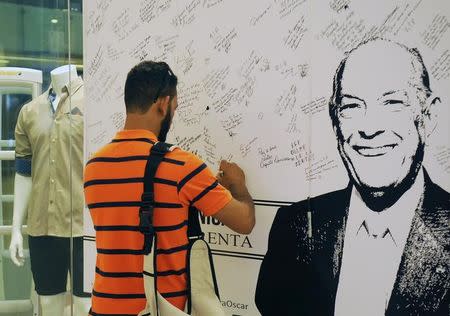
x=380 y=246
x=113 y=189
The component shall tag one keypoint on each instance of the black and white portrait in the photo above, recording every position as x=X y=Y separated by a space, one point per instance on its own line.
x=381 y=245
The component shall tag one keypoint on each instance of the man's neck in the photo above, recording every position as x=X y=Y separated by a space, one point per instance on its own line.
x=379 y=200
x=137 y=121
x=397 y=218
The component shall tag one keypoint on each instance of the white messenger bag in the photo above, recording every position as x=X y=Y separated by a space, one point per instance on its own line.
x=202 y=291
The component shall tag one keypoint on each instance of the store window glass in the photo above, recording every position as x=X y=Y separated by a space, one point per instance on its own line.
x=41 y=140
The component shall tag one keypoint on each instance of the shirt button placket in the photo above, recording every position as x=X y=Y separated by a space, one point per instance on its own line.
x=52 y=173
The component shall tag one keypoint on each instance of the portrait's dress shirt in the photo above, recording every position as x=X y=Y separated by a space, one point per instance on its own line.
x=373 y=247
x=53 y=141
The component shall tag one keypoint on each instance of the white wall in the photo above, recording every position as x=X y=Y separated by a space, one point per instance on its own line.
x=255 y=78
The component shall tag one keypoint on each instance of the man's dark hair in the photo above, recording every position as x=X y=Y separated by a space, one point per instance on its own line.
x=146 y=82
x=418 y=66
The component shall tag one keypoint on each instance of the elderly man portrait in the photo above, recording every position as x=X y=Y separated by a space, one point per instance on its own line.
x=381 y=245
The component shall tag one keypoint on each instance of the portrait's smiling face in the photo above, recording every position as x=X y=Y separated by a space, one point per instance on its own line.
x=379 y=116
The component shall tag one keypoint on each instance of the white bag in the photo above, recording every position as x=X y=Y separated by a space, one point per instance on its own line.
x=203 y=298
x=202 y=292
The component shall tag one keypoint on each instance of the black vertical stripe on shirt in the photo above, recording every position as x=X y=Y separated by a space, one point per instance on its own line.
x=130 y=228
x=127 y=180
x=174 y=294
x=132 y=158
x=118 y=274
x=173 y=161
x=204 y=192
x=107 y=251
x=166 y=273
x=133 y=204
x=117 y=159
x=118 y=296
x=168 y=251
x=115 y=204
x=116 y=228
x=145 y=140
x=92 y=313
x=191 y=175
x=113 y=181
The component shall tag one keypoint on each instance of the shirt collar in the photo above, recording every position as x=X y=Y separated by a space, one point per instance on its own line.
x=73 y=86
x=69 y=88
x=136 y=133
x=67 y=91
x=396 y=220
x=51 y=95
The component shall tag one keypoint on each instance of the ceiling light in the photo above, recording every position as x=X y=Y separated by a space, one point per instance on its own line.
x=54 y=21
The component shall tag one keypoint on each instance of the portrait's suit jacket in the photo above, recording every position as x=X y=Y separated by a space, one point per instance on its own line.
x=300 y=272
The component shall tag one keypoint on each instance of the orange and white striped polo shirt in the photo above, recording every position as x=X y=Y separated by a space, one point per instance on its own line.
x=114 y=182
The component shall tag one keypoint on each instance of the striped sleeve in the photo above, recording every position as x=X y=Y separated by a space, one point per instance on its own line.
x=199 y=187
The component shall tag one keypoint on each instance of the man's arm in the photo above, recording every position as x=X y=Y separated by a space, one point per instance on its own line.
x=239 y=213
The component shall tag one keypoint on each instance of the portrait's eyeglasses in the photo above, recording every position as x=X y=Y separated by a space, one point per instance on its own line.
x=164 y=82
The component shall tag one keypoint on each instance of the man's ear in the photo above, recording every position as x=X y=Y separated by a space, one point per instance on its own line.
x=430 y=112
x=163 y=105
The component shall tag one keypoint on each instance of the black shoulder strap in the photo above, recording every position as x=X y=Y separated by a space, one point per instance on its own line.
x=194 y=228
x=155 y=157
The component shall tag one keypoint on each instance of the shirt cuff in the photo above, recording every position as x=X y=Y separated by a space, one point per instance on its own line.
x=23 y=166
x=220 y=204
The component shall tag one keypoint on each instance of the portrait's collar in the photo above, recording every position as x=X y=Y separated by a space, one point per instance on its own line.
x=396 y=219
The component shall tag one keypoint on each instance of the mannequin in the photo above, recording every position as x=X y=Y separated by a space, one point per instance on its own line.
x=51 y=305
x=61 y=76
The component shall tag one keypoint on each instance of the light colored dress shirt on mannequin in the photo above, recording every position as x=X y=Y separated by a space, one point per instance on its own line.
x=373 y=248
x=53 y=141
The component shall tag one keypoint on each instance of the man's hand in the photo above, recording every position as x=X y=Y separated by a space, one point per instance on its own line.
x=16 y=248
x=239 y=214
x=231 y=176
